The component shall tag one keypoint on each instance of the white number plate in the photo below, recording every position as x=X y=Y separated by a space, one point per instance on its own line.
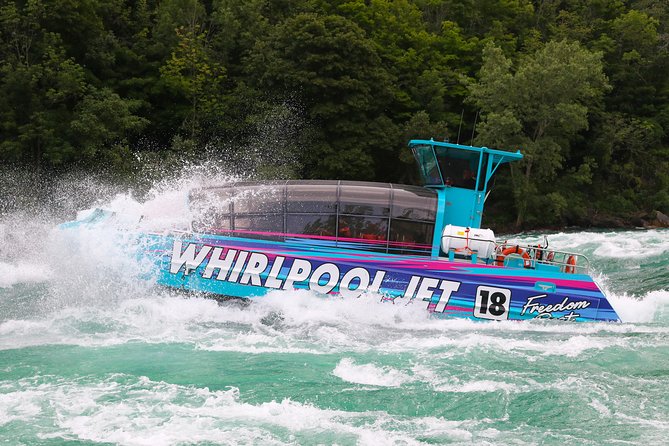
x=492 y=303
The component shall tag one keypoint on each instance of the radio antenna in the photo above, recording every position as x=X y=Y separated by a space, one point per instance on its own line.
x=462 y=113
x=474 y=129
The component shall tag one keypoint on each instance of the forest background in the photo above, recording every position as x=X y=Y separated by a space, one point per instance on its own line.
x=335 y=89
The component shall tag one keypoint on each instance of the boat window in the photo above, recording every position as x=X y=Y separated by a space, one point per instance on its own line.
x=258 y=199
x=427 y=163
x=458 y=167
x=211 y=222
x=366 y=228
x=208 y=200
x=259 y=226
x=414 y=203
x=364 y=199
x=410 y=237
x=312 y=197
x=311 y=224
x=367 y=212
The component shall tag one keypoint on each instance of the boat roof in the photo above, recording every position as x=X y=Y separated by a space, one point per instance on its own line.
x=322 y=196
x=498 y=156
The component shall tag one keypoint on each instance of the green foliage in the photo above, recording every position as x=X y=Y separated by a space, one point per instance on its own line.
x=52 y=114
x=540 y=107
x=102 y=118
x=337 y=72
x=334 y=89
x=191 y=72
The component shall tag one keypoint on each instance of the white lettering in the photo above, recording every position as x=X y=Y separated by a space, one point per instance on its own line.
x=223 y=265
x=187 y=257
x=239 y=265
x=299 y=271
x=345 y=289
x=378 y=280
x=426 y=289
x=256 y=266
x=447 y=288
x=532 y=307
x=332 y=272
x=272 y=281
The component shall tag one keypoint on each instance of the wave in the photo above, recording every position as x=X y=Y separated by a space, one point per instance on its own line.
x=303 y=323
x=369 y=374
x=652 y=307
x=129 y=410
x=618 y=245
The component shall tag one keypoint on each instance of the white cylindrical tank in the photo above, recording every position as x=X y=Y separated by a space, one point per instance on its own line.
x=458 y=237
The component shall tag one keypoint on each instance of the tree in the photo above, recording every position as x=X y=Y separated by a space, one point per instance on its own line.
x=540 y=107
x=192 y=72
x=334 y=71
x=51 y=115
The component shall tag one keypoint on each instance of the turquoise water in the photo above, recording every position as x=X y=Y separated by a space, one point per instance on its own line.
x=90 y=355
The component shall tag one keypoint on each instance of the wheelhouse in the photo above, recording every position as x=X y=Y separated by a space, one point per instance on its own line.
x=379 y=217
x=460 y=174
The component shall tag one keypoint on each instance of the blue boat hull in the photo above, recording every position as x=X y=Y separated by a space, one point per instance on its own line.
x=250 y=268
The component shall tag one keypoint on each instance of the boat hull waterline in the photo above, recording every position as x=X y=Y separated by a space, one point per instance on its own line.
x=247 y=268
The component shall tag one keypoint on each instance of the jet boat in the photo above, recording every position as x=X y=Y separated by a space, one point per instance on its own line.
x=407 y=245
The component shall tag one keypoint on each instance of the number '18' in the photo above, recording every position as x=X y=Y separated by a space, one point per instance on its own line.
x=497 y=301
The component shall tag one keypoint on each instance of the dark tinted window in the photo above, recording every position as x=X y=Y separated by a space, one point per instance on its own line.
x=415 y=203
x=259 y=226
x=410 y=237
x=312 y=224
x=364 y=199
x=427 y=164
x=310 y=208
x=210 y=209
x=312 y=197
x=258 y=199
x=458 y=167
x=213 y=223
x=366 y=228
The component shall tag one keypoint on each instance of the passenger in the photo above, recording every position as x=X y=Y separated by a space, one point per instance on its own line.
x=468 y=179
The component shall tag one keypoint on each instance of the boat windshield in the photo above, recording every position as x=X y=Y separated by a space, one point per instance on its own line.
x=427 y=163
x=448 y=166
x=458 y=167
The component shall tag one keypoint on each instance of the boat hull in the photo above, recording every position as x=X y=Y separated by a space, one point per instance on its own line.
x=250 y=268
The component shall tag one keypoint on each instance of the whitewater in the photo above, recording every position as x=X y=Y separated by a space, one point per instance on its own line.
x=91 y=354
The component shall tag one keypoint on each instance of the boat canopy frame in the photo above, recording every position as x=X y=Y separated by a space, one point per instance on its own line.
x=337 y=206
x=495 y=159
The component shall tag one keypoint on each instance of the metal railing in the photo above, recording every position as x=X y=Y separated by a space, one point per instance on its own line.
x=534 y=255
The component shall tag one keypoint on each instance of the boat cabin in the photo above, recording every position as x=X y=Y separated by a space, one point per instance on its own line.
x=379 y=217
x=460 y=175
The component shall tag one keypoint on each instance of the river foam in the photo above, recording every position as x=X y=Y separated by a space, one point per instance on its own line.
x=138 y=411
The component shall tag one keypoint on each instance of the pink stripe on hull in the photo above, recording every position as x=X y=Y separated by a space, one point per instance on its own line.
x=325 y=237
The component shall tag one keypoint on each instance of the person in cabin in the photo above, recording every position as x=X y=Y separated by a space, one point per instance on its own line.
x=468 y=179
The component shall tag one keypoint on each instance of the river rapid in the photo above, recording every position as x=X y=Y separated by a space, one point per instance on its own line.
x=89 y=354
